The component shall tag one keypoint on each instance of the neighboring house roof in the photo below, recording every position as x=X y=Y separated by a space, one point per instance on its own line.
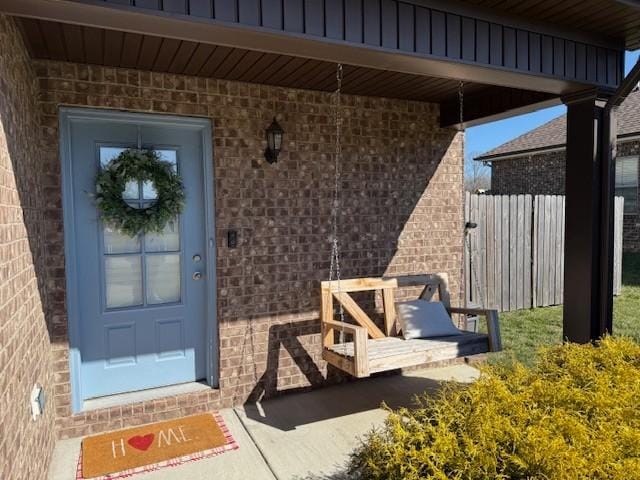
x=552 y=135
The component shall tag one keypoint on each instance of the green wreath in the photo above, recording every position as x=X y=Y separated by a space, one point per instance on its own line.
x=139 y=165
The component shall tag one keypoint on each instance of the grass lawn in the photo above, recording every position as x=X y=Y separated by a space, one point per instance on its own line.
x=523 y=331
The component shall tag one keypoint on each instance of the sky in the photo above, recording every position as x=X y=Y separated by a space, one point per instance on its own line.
x=485 y=137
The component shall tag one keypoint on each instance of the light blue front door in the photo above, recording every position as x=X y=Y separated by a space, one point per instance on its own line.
x=141 y=301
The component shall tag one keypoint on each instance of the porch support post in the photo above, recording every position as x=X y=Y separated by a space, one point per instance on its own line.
x=590 y=176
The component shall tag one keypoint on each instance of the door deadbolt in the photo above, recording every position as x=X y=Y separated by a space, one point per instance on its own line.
x=196 y=258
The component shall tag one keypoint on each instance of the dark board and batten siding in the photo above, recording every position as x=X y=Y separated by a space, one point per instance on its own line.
x=408 y=27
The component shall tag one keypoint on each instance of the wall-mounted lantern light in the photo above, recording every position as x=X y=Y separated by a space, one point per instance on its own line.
x=274 y=141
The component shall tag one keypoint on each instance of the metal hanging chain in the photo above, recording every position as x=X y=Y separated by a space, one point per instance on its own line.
x=334 y=270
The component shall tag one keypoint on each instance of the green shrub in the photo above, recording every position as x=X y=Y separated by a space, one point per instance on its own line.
x=574 y=415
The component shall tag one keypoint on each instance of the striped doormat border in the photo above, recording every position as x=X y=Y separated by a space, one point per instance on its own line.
x=174 y=462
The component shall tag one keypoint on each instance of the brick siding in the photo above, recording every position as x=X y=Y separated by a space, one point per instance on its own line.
x=544 y=174
x=403 y=213
x=537 y=174
x=25 y=353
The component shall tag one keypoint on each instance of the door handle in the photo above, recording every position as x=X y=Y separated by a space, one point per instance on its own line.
x=197 y=275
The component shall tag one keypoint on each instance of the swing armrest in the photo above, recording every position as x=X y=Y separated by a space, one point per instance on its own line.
x=360 y=347
x=347 y=327
x=493 y=324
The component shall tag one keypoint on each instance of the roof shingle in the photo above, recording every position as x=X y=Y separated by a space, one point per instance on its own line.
x=553 y=133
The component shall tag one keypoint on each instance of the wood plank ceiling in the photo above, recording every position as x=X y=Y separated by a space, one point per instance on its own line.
x=598 y=16
x=73 y=43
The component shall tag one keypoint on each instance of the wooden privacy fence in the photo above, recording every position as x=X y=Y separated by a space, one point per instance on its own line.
x=514 y=258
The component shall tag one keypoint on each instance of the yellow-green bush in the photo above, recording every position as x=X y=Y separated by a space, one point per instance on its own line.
x=574 y=415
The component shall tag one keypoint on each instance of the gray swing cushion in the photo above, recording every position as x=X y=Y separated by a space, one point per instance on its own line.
x=422 y=319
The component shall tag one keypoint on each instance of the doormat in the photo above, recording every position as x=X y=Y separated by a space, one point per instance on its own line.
x=154 y=446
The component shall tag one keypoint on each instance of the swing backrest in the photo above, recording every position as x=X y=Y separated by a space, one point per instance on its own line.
x=434 y=284
x=434 y=287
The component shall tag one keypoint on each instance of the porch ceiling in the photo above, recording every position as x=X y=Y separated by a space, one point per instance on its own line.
x=410 y=49
x=75 y=43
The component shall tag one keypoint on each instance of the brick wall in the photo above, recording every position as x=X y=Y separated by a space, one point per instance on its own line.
x=544 y=174
x=537 y=174
x=402 y=214
x=402 y=194
x=25 y=445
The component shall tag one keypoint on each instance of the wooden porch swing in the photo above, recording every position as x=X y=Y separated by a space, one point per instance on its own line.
x=372 y=350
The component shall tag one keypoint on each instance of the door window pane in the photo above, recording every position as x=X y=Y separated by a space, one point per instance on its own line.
x=163 y=279
x=169 y=156
x=117 y=242
x=109 y=153
x=166 y=241
x=123 y=277
x=131 y=190
x=149 y=190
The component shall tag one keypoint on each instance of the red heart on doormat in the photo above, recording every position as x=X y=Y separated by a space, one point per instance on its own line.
x=141 y=442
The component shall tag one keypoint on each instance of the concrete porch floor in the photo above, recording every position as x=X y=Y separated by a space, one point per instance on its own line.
x=300 y=436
